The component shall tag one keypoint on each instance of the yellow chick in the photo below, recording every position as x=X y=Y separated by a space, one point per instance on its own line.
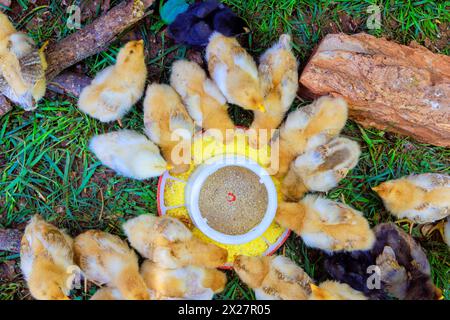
x=203 y=100
x=234 y=71
x=168 y=242
x=420 y=198
x=46 y=260
x=168 y=124
x=278 y=71
x=273 y=277
x=22 y=67
x=320 y=169
x=325 y=224
x=117 y=88
x=107 y=259
x=333 y=290
x=187 y=283
x=309 y=127
x=128 y=153
x=107 y=293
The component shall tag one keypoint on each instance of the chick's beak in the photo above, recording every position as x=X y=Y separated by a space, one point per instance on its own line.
x=169 y=167
x=314 y=288
x=377 y=188
x=261 y=108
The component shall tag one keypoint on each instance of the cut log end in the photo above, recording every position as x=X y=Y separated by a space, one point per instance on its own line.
x=402 y=89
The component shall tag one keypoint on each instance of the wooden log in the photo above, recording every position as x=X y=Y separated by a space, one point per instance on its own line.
x=94 y=38
x=10 y=240
x=86 y=42
x=5 y=106
x=403 y=89
x=69 y=83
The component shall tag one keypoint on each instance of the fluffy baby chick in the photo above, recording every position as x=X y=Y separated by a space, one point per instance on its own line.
x=320 y=169
x=187 y=283
x=404 y=267
x=234 y=71
x=117 y=88
x=168 y=124
x=46 y=260
x=333 y=290
x=402 y=263
x=421 y=198
x=168 y=242
x=128 y=153
x=279 y=81
x=203 y=100
x=273 y=277
x=326 y=224
x=309 y=127
x=107 y=259
x=22 y=67
x=356 y=268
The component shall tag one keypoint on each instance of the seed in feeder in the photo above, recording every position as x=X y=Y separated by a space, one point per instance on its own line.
x=233 y=200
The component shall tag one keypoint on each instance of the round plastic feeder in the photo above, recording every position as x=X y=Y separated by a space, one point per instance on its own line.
x=195 y=184
x=178 y=197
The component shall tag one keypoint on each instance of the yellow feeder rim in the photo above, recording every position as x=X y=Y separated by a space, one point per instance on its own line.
x=171 y=190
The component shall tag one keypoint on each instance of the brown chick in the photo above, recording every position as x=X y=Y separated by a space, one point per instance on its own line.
x=168 y=124
x=421 y=198
x=278 y=72
x=273 y=277
x=325 y=224
x=333 y=290
x=117 y=88
x=22 y=67
x=186 y=283
x=107 y=259
x=168 y=242
x=234 y=71
x=46 y=260
x=203 y=100
x=309 y=127
x=320 y=169
x=404 y=267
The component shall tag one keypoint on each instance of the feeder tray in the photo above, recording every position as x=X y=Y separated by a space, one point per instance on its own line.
x=265 y=239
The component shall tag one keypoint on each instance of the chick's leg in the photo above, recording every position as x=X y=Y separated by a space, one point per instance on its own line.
x=408 y=222
x=440 y=226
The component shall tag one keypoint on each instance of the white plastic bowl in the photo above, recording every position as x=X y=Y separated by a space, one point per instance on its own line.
x=195 y=183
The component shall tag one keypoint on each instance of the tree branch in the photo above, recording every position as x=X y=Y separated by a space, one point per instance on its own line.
x=84 y=43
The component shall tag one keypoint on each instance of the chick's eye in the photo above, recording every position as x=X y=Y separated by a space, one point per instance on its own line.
x=132 y=51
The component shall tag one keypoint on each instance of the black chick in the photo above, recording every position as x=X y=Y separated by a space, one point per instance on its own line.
x=351 y=268
x=403 y=265
x=195 y=26
x=405 y=269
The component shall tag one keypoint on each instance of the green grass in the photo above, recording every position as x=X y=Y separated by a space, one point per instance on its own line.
x=46 y=167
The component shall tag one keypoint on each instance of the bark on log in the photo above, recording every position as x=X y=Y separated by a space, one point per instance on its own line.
x=93 y=38
x=5 y=106
x=10 y=240
x=403 y=89
x=69 y=83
